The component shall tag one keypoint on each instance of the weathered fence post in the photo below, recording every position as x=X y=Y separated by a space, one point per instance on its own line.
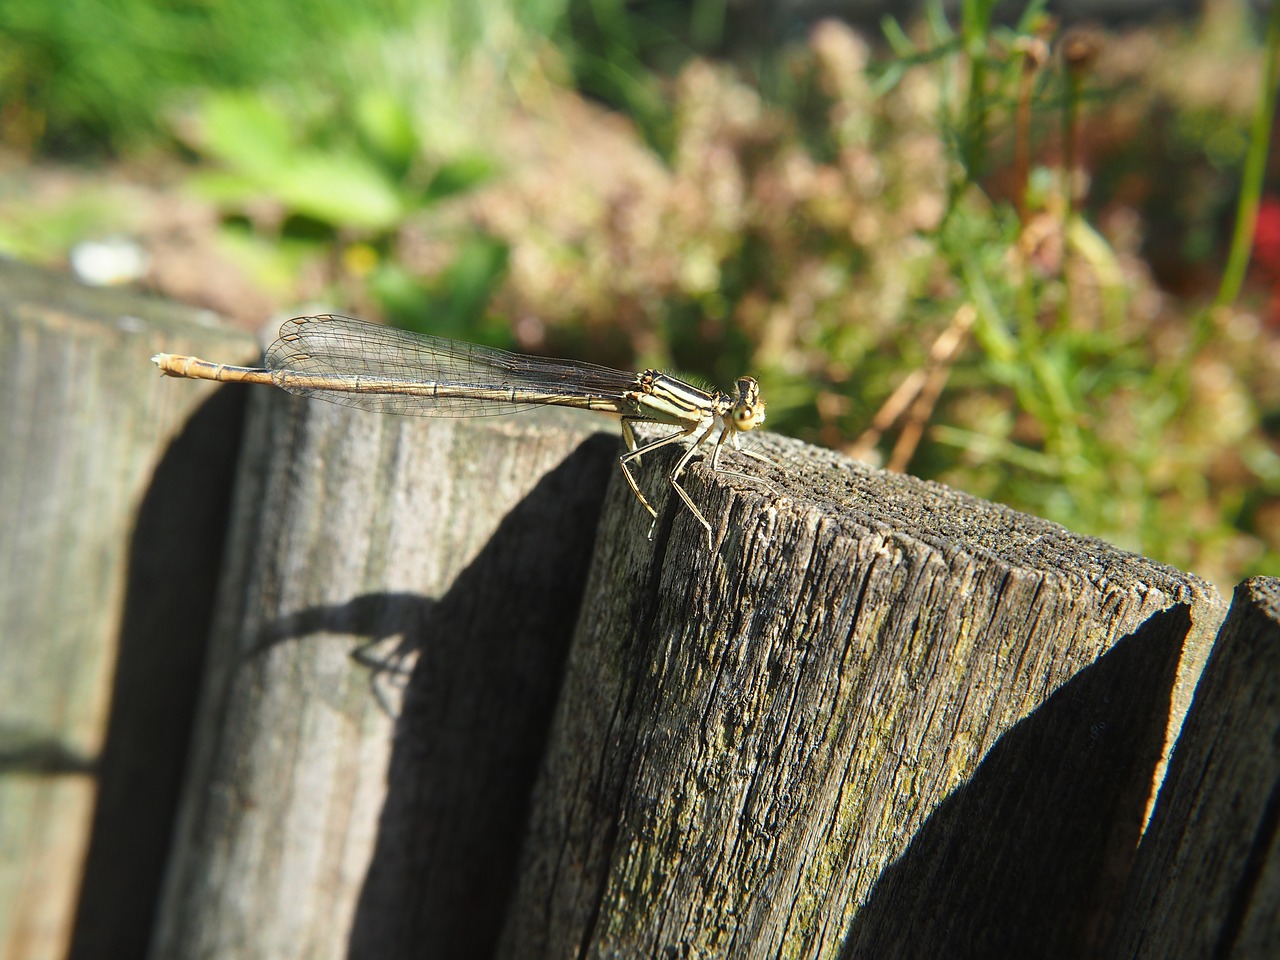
x=1207 y=879
x=881 y=719
x=335 y=809
x=112 y=505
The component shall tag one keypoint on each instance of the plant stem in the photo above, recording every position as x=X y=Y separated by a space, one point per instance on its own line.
x=1254 y=171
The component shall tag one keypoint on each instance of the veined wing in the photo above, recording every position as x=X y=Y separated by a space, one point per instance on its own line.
x=380 y=368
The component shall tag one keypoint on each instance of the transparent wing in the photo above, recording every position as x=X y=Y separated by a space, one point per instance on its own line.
x=366 y=364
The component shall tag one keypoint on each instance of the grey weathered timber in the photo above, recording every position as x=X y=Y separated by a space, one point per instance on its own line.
x=456 y=702
x=1207 y=879
x=881 y=719
x=391 y=632
x=113 y=493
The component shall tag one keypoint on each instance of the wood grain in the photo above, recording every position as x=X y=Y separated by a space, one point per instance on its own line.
x=105 y=481
x=458 y=703
x=399 y=598
x=1207 y=879
x=882 y=719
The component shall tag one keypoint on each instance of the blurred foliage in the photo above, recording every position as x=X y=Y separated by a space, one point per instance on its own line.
x=996 y=244
x=94 y=74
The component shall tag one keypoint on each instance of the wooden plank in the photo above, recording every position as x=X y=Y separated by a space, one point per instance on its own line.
x=335 y=809
x=878 y=718
x=1207 y=879
x=881 y=719
x=105 y=482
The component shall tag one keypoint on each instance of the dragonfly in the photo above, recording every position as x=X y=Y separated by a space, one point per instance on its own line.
x=375 y=367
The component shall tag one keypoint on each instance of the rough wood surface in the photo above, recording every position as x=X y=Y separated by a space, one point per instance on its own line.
x=881 y=719
x=106 y=482
x=399 y=599
x=1207 y=879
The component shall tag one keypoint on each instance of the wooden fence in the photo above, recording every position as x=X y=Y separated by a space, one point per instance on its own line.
x=283 y=679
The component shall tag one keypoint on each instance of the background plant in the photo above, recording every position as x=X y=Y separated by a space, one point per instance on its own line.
x=998 y=244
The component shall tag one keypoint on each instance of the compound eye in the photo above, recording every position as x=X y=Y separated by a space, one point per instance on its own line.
x=747 y=416
x=748 y=409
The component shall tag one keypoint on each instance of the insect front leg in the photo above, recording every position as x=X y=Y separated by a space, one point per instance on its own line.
x=629 y=434
x=635 y=453
x=674 y=478
x=746 y=451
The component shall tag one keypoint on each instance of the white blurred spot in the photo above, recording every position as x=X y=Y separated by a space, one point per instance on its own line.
x=109 y=262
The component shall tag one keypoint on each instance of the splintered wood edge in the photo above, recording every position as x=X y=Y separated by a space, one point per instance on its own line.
x=1205 y=877
x=812 y=484
x=819 y=509
x=810 y=481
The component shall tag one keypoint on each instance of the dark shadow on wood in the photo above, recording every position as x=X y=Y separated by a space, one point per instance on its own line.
x=1025 y=858
x=480 y=671
x=25 y=751
x=175 y=559
x=474 y=723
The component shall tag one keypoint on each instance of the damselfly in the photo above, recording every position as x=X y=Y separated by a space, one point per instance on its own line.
x=380 y=368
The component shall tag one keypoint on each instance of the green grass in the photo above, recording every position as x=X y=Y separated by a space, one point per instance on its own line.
x=819 y=214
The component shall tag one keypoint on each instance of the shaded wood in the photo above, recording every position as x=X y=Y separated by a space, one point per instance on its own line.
x=103 y=605
x=1207 y=878
x=398 y=600
x=879 y=719
x=882 y=719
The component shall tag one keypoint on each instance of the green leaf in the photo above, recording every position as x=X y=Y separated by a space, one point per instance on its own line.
x=244 y=131
x=340 y=189
x=897 y=37
x=453 y=304
x=255 y=140
x=460 y=175
x=386 y=129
